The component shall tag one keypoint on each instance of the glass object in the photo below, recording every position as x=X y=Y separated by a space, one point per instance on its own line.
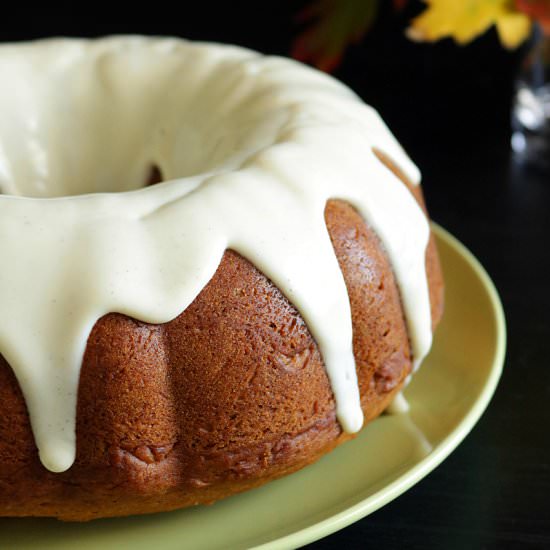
x=531 y=108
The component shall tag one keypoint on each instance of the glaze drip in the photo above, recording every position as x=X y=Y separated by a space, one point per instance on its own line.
x=251 y=149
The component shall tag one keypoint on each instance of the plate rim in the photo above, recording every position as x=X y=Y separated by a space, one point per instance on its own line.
x=413 y=475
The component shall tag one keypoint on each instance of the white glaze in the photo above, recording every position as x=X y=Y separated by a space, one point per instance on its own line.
x=252 y=146
x=399 y=405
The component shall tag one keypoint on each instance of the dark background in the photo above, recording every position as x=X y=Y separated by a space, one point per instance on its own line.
x=450 y=108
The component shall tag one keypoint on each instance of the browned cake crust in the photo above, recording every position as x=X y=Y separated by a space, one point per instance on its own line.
x=227 y=396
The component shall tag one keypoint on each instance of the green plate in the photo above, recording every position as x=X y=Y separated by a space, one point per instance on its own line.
x=447 y=396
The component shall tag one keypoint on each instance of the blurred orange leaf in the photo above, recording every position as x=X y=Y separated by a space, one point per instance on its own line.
x=398 y=5
x=331 y=26
x=539 y=10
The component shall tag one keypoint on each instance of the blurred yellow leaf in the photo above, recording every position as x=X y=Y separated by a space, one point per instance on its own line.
x=464 y=20
x=513 y=29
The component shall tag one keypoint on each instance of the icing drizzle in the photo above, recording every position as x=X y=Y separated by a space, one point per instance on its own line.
x=251 y=147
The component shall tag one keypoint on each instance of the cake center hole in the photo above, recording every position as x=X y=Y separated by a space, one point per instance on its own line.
x=154 y=176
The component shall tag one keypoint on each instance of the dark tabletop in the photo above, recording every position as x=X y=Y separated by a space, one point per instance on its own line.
x=450 y=109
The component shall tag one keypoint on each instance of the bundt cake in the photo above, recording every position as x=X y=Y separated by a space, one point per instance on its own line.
x=216 y=267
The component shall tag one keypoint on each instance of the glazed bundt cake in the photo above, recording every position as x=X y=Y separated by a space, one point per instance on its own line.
x=216 y=267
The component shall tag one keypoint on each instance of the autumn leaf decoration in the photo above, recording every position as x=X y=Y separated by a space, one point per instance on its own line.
x=331 y=26
x=464 y=20
x=539 y=10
